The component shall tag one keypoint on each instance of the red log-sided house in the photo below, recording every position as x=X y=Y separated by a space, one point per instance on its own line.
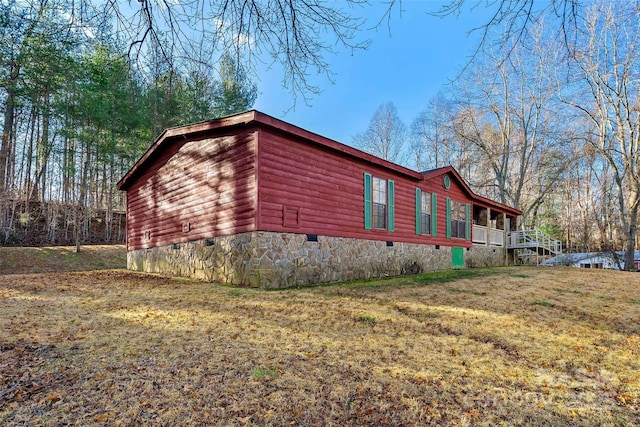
x=252 y=200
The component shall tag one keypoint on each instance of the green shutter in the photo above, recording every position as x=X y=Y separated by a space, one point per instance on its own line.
x=468 y=222
x=448 y=218
x=367 y=201
x=418 y=210
x=434 y=214
x=391 y=206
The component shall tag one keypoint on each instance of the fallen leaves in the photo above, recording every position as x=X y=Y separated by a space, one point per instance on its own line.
x=123 y=348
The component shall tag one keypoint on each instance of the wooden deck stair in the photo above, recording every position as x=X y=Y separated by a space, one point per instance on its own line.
x=535 y=241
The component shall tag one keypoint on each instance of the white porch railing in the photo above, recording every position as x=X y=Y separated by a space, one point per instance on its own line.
x=496 y=237
x=535 y=240
x=481 y=235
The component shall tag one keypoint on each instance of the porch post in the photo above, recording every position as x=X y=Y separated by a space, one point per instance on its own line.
x=488 y=243
x=507 y=229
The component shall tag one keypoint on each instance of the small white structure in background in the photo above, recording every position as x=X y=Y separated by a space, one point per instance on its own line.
x=593 y=260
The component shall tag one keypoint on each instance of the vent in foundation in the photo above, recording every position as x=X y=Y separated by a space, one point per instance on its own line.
x=175 y=246
x=390 y=244
x=437 y=246
x=312 y=237
x=210 y=242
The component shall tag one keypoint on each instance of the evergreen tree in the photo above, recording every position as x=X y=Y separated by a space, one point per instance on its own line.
x=234 y=92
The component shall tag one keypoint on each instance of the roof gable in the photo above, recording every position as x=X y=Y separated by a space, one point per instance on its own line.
x=170 y=135
x=453 y=174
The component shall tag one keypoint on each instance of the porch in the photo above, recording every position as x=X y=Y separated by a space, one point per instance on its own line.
x=487 y=236
x=490 y=227
x=494 y=228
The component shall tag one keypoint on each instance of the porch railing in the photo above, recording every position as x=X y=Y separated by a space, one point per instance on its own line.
x=479 y=234
x=496 y=237
x=535 y=240
x=482 y=234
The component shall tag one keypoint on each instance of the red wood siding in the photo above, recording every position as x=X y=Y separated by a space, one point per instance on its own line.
x=201 y=180
x=327 y=190
x=456 y=193
x=193 y=190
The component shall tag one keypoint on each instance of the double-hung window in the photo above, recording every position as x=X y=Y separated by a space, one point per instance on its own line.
x=378 y=203
x=425 y=213
x=458 y=220
x=426 y=209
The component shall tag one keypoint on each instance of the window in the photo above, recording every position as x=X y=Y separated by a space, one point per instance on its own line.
x=378 y=203
x=458 y=219
x=458 y=223
x=426 y=210
x=425 y=213
x=446 y=182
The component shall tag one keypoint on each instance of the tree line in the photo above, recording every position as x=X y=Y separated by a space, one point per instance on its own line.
x=547 y=124
x=78 y=111
x=544 y=117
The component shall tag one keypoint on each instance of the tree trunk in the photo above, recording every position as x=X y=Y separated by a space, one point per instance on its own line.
x=6 y=150
x=631 y=239
x=82 y=200
x=76 y=221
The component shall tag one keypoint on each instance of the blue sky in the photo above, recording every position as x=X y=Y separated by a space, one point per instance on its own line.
x=406 y=66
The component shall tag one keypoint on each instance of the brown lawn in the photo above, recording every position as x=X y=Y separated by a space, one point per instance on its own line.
x=511 y=346
x=55 y=259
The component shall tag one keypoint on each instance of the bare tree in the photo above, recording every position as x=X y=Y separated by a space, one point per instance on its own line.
x=510 y=20
x=587 y=209
x=509 y=113
x=607 y=90
x=294 y=35
x=433 y=140
x=385 y=137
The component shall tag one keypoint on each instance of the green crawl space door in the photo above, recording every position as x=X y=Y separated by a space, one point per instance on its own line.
x=457 y=257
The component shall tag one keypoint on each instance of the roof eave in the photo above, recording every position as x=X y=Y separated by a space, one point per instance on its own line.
x=331 y=144
x=256 y=117
x=261 y=119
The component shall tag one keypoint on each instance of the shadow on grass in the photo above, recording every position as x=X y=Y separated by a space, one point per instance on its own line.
x=61 y=259
x=431 y=278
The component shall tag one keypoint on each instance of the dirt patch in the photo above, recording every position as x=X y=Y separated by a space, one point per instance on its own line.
x=121 y=348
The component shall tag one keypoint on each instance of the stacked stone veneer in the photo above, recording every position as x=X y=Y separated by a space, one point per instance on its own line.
x=485 y=256
x=277 y=260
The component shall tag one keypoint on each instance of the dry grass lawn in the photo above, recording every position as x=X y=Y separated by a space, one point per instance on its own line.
x=55 y=259
x=509 y=346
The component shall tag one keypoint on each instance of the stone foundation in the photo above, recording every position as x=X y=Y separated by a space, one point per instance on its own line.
x=278 y=260
x=485 y=256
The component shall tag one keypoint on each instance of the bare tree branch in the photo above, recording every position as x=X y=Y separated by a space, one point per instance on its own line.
x=294 y=35
x=510 y=19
